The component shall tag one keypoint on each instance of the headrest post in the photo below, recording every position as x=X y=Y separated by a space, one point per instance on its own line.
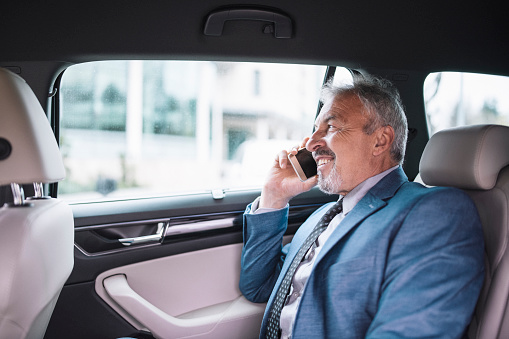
x=18 y=194
x=38 y=190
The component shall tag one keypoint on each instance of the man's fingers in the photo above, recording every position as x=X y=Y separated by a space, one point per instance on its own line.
x=282 y=159
x=304 y=142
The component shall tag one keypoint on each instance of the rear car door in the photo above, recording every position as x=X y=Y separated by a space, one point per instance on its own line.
x=162 y=158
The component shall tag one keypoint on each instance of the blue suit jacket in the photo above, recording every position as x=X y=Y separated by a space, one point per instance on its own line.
x=407 y=261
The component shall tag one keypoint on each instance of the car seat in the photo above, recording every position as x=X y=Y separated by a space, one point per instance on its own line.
x=475 y=159
x=36 y=234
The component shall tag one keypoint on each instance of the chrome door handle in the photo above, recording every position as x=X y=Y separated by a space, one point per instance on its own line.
x=157 y=237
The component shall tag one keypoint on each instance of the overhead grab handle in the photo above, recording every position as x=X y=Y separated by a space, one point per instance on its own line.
x=282 y=23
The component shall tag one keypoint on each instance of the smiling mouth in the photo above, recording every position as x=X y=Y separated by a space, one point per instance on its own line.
x=323 y=157
x=323 y=161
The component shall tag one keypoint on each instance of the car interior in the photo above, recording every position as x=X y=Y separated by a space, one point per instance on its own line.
x=133 y=135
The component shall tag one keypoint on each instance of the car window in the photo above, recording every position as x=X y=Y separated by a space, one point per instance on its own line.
x=133 y=129
x=456 y=99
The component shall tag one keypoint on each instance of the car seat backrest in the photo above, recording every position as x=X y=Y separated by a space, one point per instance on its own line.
x=476 y=159
x=36 y=234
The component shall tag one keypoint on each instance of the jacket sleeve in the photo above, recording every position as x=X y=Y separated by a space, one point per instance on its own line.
x=262 y=253
x=434 y=270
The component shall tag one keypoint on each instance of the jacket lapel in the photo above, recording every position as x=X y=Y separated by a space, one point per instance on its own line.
x=304 y=230
x=373 y=201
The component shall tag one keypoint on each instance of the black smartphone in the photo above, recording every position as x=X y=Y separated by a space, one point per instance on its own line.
x=304 y=164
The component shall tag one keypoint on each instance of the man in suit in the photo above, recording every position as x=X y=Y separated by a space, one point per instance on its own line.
x=394 y=260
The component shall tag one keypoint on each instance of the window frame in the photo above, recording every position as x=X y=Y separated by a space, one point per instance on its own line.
x=55 y=121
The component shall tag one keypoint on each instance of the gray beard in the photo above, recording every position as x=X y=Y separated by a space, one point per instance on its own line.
x=331 y=183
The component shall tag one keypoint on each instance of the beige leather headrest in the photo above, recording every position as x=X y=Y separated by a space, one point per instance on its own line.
x=468 y=157
x=28 y=149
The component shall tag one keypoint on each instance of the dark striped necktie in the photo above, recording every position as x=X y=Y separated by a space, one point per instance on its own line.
x=273 y=328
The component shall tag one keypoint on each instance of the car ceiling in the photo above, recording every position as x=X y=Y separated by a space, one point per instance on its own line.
x=402 y=35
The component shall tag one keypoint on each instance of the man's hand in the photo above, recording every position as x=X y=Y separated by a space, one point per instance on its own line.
x=282 y=182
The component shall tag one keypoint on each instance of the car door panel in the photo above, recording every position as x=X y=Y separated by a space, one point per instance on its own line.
x=188 y=275
x=202 y=299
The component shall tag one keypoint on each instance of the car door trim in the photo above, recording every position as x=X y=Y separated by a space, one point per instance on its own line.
x=168 y=229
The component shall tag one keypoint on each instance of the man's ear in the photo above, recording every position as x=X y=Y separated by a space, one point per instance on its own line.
x=384 y=137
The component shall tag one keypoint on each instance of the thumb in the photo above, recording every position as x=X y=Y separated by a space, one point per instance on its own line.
x=310 y=183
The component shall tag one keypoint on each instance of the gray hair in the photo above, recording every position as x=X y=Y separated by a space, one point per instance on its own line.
x=382 y=105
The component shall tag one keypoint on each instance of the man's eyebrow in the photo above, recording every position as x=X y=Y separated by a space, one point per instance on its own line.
x=331 y=117
x=323 y=121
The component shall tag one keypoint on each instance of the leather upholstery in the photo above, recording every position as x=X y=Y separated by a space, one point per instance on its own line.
x=475 y=158
x=467 y=157
x=36 y=237
x=35 y=156
x=36 y=258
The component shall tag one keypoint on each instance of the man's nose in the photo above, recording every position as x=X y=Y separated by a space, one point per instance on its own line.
x=315 y=141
